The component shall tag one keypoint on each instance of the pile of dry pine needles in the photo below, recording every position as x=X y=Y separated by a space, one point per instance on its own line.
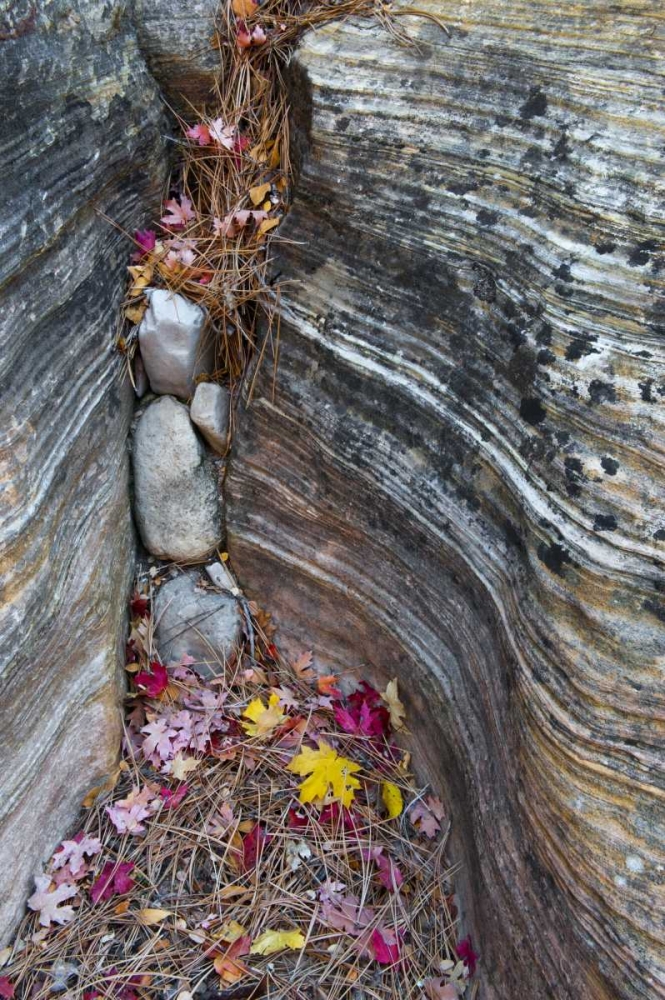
x=213 y=871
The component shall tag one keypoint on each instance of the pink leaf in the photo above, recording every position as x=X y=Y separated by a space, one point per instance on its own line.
x=437 y=989
x=423 y=821
x=46 y=903
x=200 y=133
x=390 y=875
x=127 y=814
x=6 y=988
x=224 y=135
x=72 y=853
x=467 y=954
x=113 y=881
x=234 y=222
x=146 y=239
x=178 y=213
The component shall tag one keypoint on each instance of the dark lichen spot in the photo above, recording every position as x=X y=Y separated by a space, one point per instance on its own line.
x=563 y=291
x=487 y=218
x=343 y=123
x=545 y=357
x=563 y=272
x=602 y=392
x=610 y=465
x=535 y=105
x=579 y=348
x=641 y=254
x=522 y=368
x=645 y=390
x=656 y=608
x=605 y=522
x=544 y=335
x=485 y=286
x=532 y=410
x=574 y=476
x=605 y=247
x=554 y=556
x=659 y=534
x=562 y=147
x=462 y=187
x=484 y=154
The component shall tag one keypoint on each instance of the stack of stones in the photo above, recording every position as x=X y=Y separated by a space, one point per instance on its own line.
x=176 y=453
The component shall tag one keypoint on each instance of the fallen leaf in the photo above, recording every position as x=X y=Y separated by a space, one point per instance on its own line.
x=107 y=786
x=437 y=989
x=155 y=682
x=331 y=777
x=178 y=213
x=199 y=133
x=302 y=667
x=263 y=719
x=181 y=766
x=231 y=931
x=152 y=915
x=271 y=941
x=465 y=951
x=384 y=943
x=395 y=706
x=72 y=853
x=127 y=814
x=296 y=853
x=423 y=821
x=47 y=904
x=258 y=193
x=5 y=955
x=268 y=224
x=122 y=907
x=326 y=685
x=392 y=799
x=227 y=965
x=6 y=988
x=114 y=880
x=244 y=8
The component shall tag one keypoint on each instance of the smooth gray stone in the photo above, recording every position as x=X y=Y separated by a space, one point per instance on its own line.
x=209 y=410
x=176 y=494
x=173 y=344
x=201 y=623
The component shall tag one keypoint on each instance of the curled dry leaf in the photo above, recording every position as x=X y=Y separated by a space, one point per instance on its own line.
x=395 y=706
x=271 y=941
x=152 y=915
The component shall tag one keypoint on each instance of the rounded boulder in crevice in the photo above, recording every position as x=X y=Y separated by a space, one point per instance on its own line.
x=173 y=343
x=176 y=495
x=193 y=620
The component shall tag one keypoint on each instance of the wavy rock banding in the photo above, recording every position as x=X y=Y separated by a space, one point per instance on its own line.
x=458 y=476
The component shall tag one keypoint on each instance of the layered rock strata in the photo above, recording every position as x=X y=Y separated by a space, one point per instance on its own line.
x=80 y=140
x=458 y=477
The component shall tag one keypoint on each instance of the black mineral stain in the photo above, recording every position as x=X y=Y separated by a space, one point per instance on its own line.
x=645 y=390
x=343 y=123
x=574 y=476
x=655 y=608
x=522 y=368
x=487 y=218
x=545 y=357
x=641 y=254
x=660 y=534
x=562 y=148
x=605 y=247
x=563 y=272
x=532 y=410
x=554 y=556
x=602 y=392
x=535 y=105
x=610 y=465
x=605 y=522
x=578 y=348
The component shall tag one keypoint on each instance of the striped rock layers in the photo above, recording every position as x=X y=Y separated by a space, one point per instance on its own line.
x=458 y=479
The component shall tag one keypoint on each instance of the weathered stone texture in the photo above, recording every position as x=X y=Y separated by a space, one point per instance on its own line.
x=458 y=479
x=198 y=621
x=80 y=135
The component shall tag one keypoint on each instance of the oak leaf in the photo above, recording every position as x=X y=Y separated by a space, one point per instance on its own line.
x=302 y=667
x=331 y=777
x=47 y=904
x=263 y=718
x=422 y=819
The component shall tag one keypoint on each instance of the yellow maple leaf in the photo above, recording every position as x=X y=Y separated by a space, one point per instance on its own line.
x=150 y=916
x=181 y=766
x=331 y=777
x=272 y=941
x=263 y=718
x=392 y=799
x=395 y=706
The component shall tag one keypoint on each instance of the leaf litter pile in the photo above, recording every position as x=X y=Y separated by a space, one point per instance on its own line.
x=262 y=836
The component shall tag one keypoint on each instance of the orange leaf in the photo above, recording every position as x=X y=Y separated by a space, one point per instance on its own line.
x=258 y=193
x=244 y=8
x=303 y=666
x=268 y=224
x=326 y=685
x=121 y=907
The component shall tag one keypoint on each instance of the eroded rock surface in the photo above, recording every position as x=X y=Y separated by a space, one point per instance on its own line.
x=197 y=621
x=176 y=494
x=458 y=479
x=80 y=136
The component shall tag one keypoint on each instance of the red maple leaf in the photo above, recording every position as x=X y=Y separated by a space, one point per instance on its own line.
x=6 y=988
x=113 y=881
x=139 y=605
x=385 y=945
x=252 y=846
x=154 y=682
x=173 y=796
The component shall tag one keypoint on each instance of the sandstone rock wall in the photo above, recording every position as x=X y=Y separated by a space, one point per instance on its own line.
x=80 y=135
x=459 y=477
